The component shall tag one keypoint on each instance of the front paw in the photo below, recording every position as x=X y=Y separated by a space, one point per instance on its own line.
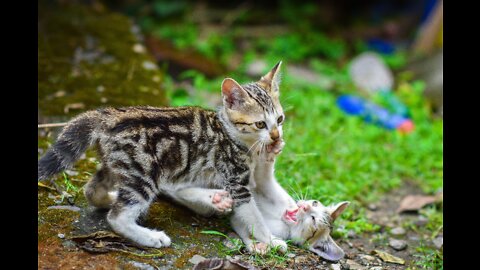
x=279 y=244
x=222 y=201
x=274 y=149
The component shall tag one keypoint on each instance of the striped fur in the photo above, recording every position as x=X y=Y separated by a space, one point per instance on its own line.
x=146 y=151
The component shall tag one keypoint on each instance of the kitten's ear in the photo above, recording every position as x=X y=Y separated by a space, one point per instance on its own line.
x=233 y=94
x=327 y=249
x=337 y=209
x=271 y=81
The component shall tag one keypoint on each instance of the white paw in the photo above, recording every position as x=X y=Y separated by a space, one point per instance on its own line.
x=222 y=201
x=157 y=239
x=280 y=244
x=258 y=248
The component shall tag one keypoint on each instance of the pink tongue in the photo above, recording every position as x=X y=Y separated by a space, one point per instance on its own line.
x=292 y=214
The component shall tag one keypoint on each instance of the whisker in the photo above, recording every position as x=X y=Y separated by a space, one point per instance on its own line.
x=306 y=192
x=257 y=141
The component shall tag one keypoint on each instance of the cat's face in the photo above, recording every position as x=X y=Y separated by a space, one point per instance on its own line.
x=255 y=111
x=311 y=224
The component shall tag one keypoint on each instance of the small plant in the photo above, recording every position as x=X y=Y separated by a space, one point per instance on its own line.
x=429 y=258
x=237 y=243
x=68 y=184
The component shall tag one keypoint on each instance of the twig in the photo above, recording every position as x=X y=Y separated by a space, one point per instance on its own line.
x=52 y=125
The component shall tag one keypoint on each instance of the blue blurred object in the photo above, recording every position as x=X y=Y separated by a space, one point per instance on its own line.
x=372 y=113
x=380 y=46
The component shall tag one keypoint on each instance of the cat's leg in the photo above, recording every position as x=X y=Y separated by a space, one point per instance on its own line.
x=123 y=219
x=248 y=223
x=205 y=201
x=267 y=185
x=99 y=190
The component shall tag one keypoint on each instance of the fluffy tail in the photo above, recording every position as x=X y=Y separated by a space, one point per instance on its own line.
x=74 y=140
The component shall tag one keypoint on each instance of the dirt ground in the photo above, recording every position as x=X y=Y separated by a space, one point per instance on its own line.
x=59 y=249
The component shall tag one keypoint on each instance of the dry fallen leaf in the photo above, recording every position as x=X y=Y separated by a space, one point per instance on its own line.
x=416 y=202
x=386 y=257
x=98 y=235
x=105 y=241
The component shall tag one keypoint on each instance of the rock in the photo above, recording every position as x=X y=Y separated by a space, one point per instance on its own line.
x=196 y=259
x=421 y=221
x=345 y=266
x=351 y=234
x=335 y=266
x=61 y=235
x=372 y=207
x=291 y=255
x=59 y=94
x=376 y=268
x=65 y=207
x=369 y=72
x=301 y=259
x=141 y=266
x=69 y=245
x=397 y=231
x=414 y=238
x=148 y=65
x=138 y=48
x=438 y=242
x=367 y=257
x=397 y=244
x=353 y=265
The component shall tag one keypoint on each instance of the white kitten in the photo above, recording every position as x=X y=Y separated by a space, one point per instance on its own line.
x=311 y=224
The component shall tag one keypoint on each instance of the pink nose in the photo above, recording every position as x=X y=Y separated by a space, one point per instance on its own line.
x=305 y=207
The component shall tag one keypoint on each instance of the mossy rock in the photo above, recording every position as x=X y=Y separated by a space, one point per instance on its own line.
x=91 y=57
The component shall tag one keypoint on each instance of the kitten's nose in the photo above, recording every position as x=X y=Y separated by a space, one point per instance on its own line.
x=274 y=134
x=305 y=207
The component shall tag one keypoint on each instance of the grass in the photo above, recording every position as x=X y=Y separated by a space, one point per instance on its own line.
x=273 y=258
x=428 y=258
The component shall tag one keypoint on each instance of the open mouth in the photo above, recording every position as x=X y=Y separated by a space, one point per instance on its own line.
x=291 y=215
x=275 y=147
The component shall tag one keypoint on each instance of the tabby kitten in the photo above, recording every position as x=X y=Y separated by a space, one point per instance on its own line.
x=146 y=151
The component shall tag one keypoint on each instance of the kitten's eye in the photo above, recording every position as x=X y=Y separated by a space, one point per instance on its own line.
x=280 y=119
x=315 y=203
x=260 y=125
